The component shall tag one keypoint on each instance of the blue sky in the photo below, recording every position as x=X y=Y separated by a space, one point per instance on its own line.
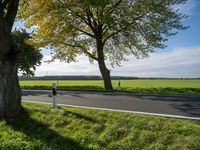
x=181 y=58
x=191 y=36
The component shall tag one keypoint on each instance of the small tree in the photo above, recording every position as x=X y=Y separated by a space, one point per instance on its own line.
x=103 y=30
x=28 y=57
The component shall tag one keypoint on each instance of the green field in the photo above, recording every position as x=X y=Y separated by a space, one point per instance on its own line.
x=44 y=128
x=124 y=83
x=189 y=87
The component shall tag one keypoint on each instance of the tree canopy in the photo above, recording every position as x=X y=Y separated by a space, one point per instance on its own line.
x=103 y=30
x=28 y=56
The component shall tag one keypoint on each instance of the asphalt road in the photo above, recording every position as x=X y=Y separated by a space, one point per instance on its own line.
x=188 y=106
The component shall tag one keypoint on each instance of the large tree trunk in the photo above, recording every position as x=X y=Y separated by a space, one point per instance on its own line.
x=10 y=93
x=102 y=66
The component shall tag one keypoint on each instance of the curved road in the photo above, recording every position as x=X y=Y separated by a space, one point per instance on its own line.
x=188 y=106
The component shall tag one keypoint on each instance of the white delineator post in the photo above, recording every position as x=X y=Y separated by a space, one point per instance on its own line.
x=119 y=85
x=54 y=93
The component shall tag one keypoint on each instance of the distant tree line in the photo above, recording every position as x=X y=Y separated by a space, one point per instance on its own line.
x=93 y=77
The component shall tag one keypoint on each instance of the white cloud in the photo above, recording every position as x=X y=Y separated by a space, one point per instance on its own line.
x=180 y=62
x=82 y=67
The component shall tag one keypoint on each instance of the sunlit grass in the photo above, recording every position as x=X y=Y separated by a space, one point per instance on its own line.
x=124 y=83
x=76 y=128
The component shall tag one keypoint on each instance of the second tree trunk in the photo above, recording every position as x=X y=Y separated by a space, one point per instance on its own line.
x=105 y=75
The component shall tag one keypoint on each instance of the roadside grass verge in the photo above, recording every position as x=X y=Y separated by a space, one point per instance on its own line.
x=77 y=128
x=167 y=90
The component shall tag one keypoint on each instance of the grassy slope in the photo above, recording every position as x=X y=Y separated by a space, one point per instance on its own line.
x=190 y=87
x=75 y=128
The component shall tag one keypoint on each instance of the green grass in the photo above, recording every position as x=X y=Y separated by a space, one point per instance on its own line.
x=76 y=128
x=186 y=87
x=124 y=83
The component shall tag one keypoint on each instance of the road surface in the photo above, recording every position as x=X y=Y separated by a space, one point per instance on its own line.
x=188 y=106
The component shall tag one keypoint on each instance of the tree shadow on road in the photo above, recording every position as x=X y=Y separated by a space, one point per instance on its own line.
x=36 y=130
x=192 y=109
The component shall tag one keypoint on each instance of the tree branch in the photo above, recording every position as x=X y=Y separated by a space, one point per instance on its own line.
x=90 y=24
x=80 y=30
x=115 y=5
x=92 y=19
x=85 y=51
x=81 y=47
x=119 y=30
x=85 y=20
x=109 y=36
x=11 y=13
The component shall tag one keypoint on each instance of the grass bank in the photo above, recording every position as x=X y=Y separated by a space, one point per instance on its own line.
x=76 y=128
x=183 y=87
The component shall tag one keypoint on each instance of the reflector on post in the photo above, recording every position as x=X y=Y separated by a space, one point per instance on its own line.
x=54 y=93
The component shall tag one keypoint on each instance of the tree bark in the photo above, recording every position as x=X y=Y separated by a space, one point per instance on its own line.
x=10 y=93
x=105 y=75
x=102 y=66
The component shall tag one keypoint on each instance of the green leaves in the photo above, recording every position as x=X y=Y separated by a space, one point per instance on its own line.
x=29 y=57
x=123 y=27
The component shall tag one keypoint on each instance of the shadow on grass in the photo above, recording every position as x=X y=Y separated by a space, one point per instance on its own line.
x=79 y=116
x=36 y=130
x=81 y=88
x=68 y=88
